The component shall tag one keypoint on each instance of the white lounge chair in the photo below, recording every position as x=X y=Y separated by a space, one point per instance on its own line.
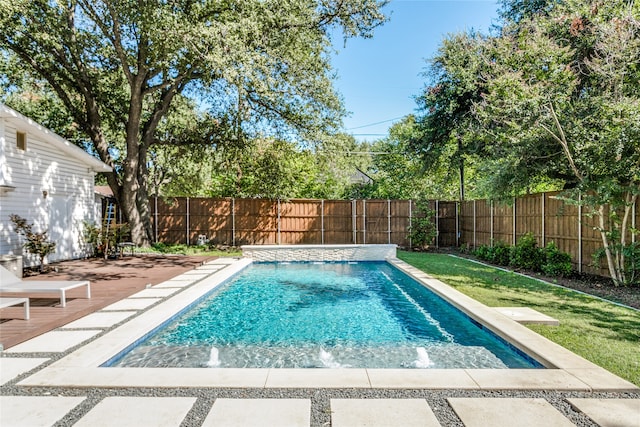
x=8 y=302
x=9 y=283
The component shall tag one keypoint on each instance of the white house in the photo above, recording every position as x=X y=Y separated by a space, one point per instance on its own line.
x=48 y=181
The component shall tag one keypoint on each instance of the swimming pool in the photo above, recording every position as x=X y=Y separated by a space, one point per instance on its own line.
x=313 y=315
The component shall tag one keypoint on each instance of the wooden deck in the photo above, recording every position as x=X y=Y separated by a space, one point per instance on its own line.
x=111 y=281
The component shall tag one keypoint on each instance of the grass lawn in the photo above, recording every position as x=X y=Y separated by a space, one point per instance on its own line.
x=604 y=333
x=204 y=250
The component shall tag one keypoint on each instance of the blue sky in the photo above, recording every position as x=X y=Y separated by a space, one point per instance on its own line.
x=379 y=77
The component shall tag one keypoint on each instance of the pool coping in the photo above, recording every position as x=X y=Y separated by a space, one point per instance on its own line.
x=565 y=371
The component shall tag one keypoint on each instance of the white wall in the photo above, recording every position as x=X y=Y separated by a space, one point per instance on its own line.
x=69 y=184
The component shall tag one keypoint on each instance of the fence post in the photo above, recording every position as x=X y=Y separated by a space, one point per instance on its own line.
x=491 y=216
x=543 y=231
x=322 y=221
x=354 y=222
x=474 y=225
x=389 y=220
x=579 y=232
x=279 y=224
x=437 y=225
x=156 y=217
x=364 y=221
x=458 y=224
x=233 y=221
x=187 y=221
x=514 y=221
x=410 y=223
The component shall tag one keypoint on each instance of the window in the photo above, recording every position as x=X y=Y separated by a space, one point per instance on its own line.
x=21 y=140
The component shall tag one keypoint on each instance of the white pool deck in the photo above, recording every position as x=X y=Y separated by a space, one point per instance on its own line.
x=81 y=368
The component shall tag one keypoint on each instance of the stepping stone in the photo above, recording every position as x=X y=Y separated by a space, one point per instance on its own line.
x=382 y=412
x=53 y=342
x=610 y=412
x=507 y=412
x=35 y=411
x=259 y=412
x=100 y=320
x=527 y=315
x=132 y=304
x=129 y=411
x=12 y=367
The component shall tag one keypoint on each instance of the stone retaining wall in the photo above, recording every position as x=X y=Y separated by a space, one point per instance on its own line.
x=262 y=253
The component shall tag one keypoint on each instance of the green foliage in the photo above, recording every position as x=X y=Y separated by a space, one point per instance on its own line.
x=105 y=242
x=628 y=262
x=556 y=263
x=554 y=101
x=423 y=230
x=526 y=254
x=37 y=242
x=179 y=249
x=132 y=75
x=499 y=253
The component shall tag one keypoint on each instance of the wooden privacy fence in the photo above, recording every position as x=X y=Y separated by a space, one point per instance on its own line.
x=549 y=219
x=264 y=221
x=471 y=223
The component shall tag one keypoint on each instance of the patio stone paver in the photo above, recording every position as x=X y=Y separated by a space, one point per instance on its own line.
x=507 y=412
x=127 y=411
x=100 y=320
x=11 y=367
x=259 y=412
x=155 y=293
x=132 y=304
x=610 y=412
x=35 y=411
x=53 y=342
x=174 y=284
x=382 y=413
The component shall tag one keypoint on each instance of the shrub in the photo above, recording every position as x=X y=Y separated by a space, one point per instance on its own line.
x=526 y=254
x=482 y=252
x=557 y=263
x=37 y=243
x=500 y=254
x=423 y=230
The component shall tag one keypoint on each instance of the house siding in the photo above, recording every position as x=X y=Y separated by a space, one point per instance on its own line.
x=69 y=201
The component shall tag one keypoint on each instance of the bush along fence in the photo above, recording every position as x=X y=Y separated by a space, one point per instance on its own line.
x=237 y=222
x=543 y=216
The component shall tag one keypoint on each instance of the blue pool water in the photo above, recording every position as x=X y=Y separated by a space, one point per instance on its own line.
x=300 y=315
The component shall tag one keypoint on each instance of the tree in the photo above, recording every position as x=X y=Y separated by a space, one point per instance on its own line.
x=446 y=121
x=398 y=172
x=118 y=67
x=563 y=103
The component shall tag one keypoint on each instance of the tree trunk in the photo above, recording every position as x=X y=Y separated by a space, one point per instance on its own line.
x=606 y=243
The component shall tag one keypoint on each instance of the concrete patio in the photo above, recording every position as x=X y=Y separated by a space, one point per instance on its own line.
x=57 y=373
